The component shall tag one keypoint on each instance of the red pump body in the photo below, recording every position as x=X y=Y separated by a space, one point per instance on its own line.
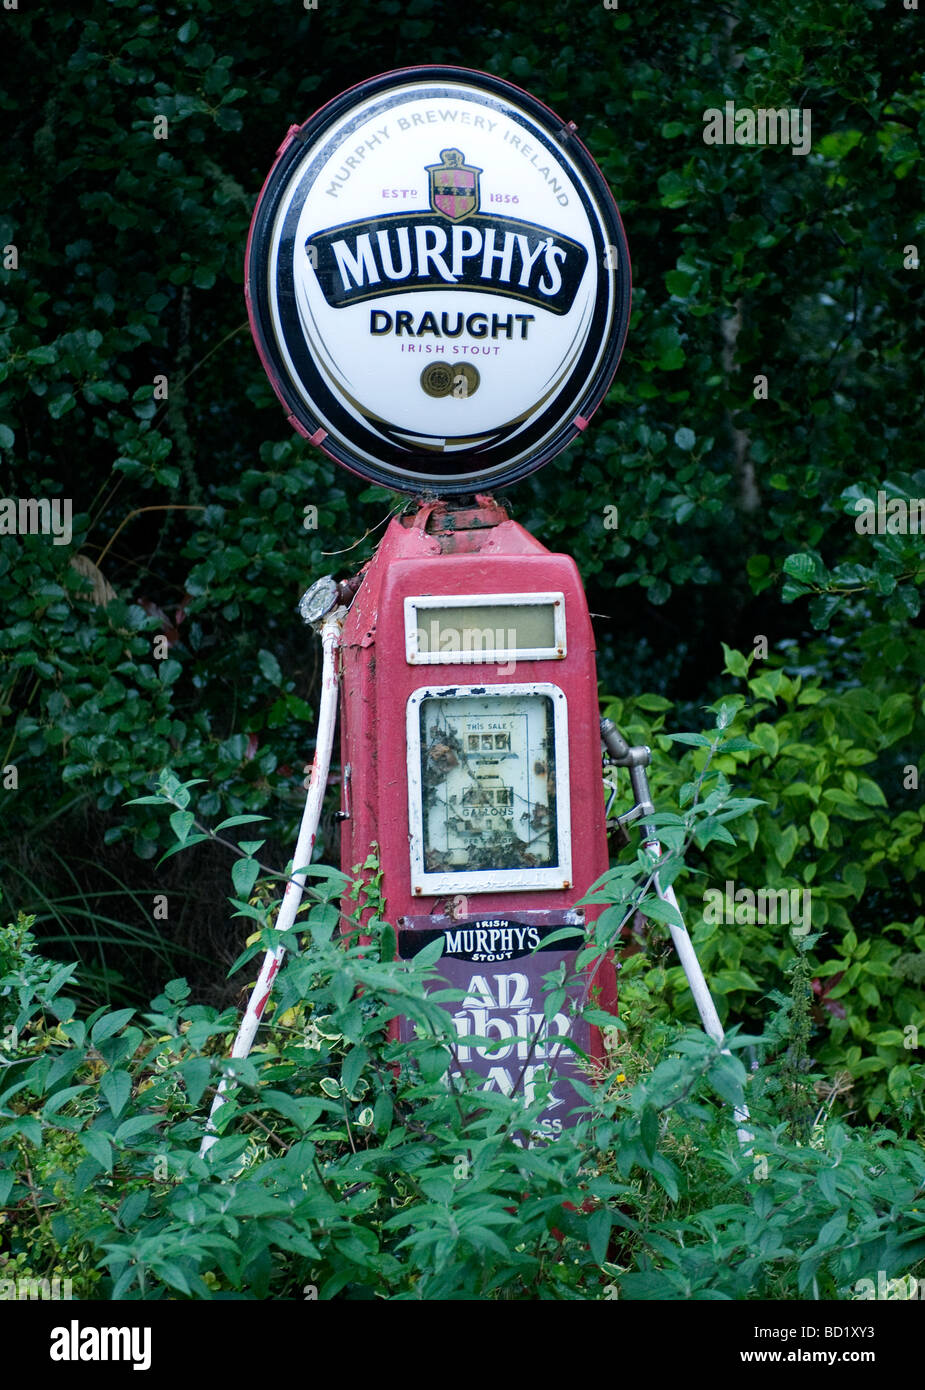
x=471 y=756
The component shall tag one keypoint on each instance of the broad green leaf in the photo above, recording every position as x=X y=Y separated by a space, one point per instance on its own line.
x=182 y=823
x=648 y=1129
x=269 y=667
x=98 y=1146
x=109 y=1024
x=196 y=1073
x=244 y=874
x=117 y=1088
x=599 y=1226
x=736 y=664
x=137 y=1125
x=804 y=567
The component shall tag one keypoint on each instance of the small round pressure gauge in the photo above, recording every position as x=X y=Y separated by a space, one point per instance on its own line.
x=318 y=601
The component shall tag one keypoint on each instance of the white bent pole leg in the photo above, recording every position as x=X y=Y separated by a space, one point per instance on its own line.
x=699 y=987
x=330 y=632
x=636 y=759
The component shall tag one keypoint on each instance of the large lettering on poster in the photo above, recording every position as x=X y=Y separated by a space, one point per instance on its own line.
x=438 y=281
x=500 y=964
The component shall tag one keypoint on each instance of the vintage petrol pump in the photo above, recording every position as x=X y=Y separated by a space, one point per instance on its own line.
x=438 y=287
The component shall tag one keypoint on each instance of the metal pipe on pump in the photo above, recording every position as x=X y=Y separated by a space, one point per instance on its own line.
x=330 y=628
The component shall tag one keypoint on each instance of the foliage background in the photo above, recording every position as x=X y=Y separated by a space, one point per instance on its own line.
x=736 y=514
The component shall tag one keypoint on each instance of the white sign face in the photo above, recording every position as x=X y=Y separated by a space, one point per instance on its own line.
x=488 y=807
x=438 y=281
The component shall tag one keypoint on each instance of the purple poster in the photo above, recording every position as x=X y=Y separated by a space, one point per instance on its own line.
x=501 y=1030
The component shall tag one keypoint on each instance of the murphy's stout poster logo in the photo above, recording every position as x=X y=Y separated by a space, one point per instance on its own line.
x=437 y=228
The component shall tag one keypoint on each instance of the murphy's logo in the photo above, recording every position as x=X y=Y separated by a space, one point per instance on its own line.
x=454 y=185
x=486 y=939
x=460 y=247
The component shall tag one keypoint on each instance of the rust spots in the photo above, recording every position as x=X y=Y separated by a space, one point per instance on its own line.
x=442 y=756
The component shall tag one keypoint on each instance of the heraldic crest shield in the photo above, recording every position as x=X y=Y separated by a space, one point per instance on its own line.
x=454 y=186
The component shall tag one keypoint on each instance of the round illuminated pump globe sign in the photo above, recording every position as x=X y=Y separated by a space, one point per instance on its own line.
x=438 y=281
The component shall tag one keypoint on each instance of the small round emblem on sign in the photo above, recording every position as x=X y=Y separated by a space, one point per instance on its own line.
x=465 y=381
x=429 y=234
x=437 y=379
x=440 y=380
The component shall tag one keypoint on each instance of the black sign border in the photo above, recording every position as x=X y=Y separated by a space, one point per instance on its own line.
x=441 y=473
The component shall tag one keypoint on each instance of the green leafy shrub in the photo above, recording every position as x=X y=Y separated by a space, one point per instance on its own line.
x=350 y=1166
x=819 y=822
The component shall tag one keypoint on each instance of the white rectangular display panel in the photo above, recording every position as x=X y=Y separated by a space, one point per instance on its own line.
x=502 y=628
x=488 y=788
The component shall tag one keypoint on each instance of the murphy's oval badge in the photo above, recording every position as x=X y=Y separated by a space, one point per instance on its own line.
x=438 y=281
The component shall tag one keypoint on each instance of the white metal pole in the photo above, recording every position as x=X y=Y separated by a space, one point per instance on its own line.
x=330 y=633
x=699 y=987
